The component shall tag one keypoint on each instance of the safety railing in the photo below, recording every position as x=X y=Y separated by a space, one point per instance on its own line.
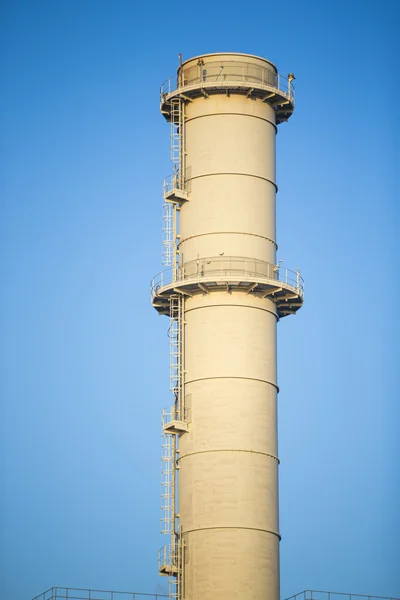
x=223 y=267
x=173 y=413
x=228 y=72
x=174 y=182
x=171 y=182
x=320 y=595
x=63 y=593
x=167 y=556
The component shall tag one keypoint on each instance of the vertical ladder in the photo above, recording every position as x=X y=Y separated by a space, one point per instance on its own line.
x=175 y=582
x=168 y=452
x=169 y=234
x=174 y=424
x=176 y=354
x=177 y=135
x=171 y=237
x=169 y=419
x=173 y=420
x=175 y=185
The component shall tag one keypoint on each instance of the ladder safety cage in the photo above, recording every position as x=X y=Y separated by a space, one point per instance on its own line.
x=170 y=563
x=173 y=423
x=174 y=185
x=168 y=452
x=176 y=366
x=169 y=234
x=175 y=581
x=178 y=142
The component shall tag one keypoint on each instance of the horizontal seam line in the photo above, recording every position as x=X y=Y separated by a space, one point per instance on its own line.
x=274 y=314
x=235 y=114
x=231 y=527
x=230 y=174
x=268 y=454
x=264 y=237
x=233 y=377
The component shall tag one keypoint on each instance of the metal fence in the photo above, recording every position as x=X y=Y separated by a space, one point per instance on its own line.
x=167 y=556
x=172 y=413
x=320 y=595
x=223 y=267
x=227 y=72
x=64 y=593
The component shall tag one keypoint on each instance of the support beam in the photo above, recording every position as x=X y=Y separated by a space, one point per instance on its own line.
x=251 y=287
x=183 y=292
x=271 y=292
x=204 y=288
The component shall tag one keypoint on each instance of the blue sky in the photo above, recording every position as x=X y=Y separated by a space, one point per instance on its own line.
x=84 y=357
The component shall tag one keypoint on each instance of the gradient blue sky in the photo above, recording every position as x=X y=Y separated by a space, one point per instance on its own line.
x=84 y=357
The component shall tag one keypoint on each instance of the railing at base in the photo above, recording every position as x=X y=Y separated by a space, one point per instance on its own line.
x=64 y=593
x=166 y=556
x=320 y=595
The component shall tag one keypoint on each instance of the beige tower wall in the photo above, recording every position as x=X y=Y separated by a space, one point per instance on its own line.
x=231 y=167
x=228 y=469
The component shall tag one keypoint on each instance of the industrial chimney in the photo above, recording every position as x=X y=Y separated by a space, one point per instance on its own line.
x=224 y=293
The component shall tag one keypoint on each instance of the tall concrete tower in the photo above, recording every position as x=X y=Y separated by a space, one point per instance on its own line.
x=224 y=294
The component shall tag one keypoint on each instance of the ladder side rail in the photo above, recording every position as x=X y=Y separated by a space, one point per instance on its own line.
x=174 y=349
x=182 y=145
x=181 y=397
x=174 y=241
x=173 y=490
x=181 y=568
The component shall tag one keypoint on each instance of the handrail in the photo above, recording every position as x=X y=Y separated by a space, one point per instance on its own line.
x=167 y=555
x=63 y=593
x=313 y=595
x=172 y=413
x=176 y=180
x=225 y=266
x=228 y=72
x=171 y=182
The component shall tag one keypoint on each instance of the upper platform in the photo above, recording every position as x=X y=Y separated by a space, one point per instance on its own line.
x=230 y=73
